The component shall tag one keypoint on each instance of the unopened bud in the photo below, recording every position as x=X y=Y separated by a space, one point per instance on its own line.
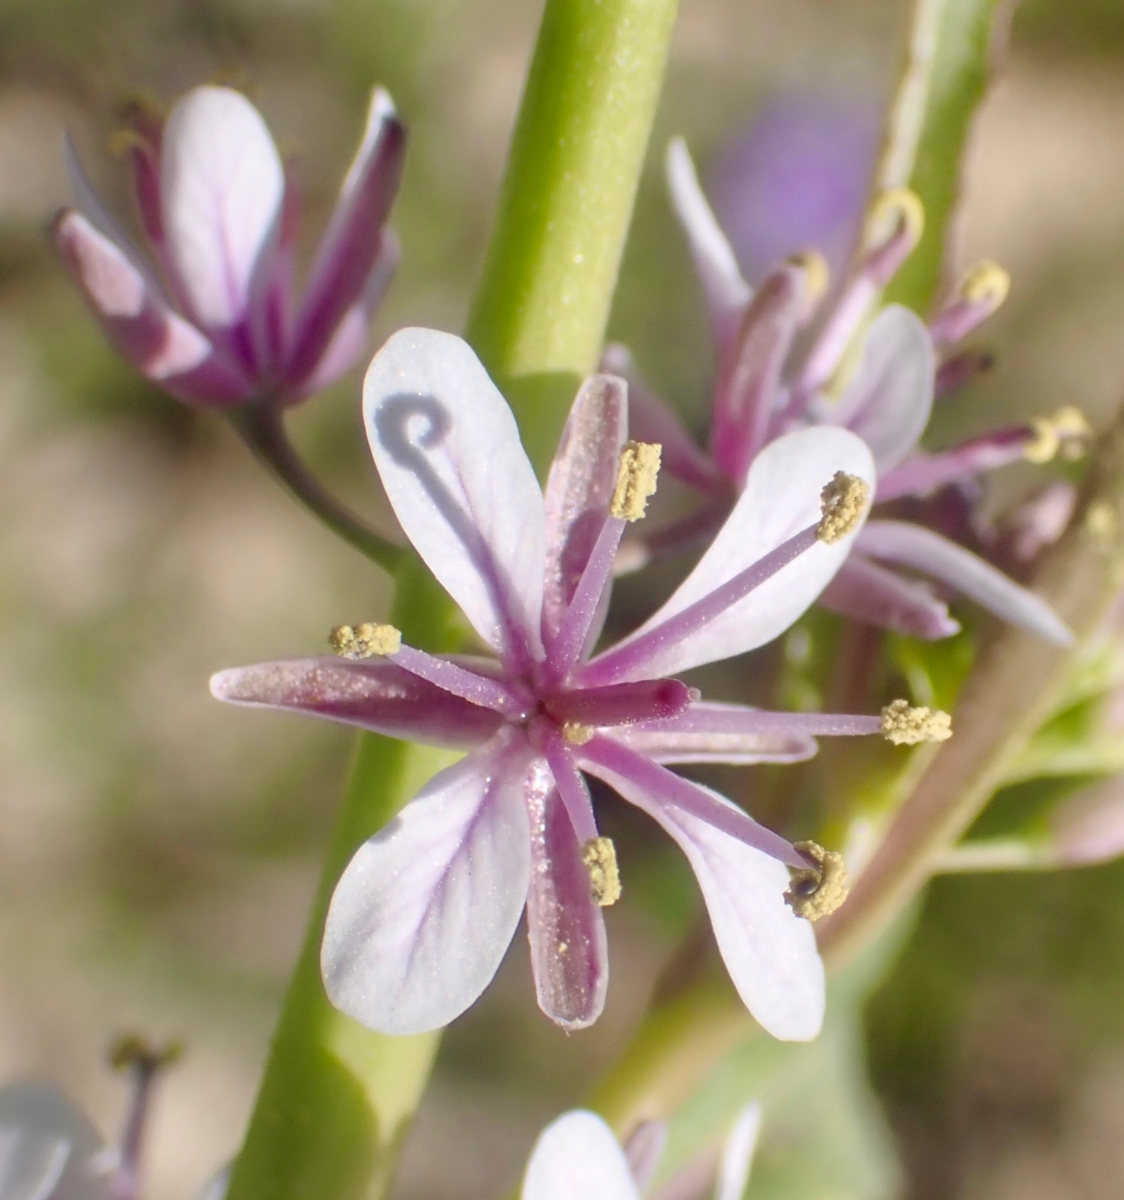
x=600 y=858
x=365 y=641
x=636 y=479
x=819 y=889
x=843 y=503
x=1066 y=433
x=905 y=725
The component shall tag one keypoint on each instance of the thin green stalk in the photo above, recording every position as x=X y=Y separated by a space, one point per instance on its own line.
x=336 y=1099
x=566 y=204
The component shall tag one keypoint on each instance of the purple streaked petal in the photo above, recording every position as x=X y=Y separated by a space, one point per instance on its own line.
x=90 y=205
x=651 y=420
x=867 y=592
x=924 y=550
x=447 y=448
x=746 y=390
x=653 y=787
x=348 y=250
x=372 y=694
x=737 y=1154
x=158 y=342
x=421 y=918
x=727 y=293
x=781 y=498
x=569 y=956
x=888 y=402
x=222 y=186
x=922 y=473
x=644 y=1148
x=47 y=1147
x=768 y=950
x=350 y=338
x=577 y=494
x=578 y=1158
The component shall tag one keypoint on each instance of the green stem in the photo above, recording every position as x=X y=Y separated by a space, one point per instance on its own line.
x=336 y=1099
x=566 y=204
x=262 y=429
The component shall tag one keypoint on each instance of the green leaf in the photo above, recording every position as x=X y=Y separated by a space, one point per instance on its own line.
x=954 y=49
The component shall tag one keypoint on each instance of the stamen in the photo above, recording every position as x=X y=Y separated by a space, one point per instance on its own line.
x=365 y=641
x=636 y=480
x=131 y=1052
x=818 y=890
x=897 y=214
x=1066 y=433
x=843 y=502
x=986 y=283
x=817 y=276
x=600 y=858
x=577 y=734
x=905 y=725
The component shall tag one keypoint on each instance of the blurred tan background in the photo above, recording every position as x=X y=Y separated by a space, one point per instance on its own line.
x=157 y=852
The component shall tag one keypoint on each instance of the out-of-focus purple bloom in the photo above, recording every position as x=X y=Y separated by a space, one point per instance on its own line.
x=873 y=377
x=423 y=914
x=211 y=313
x=797 y=177
x=577 y=1157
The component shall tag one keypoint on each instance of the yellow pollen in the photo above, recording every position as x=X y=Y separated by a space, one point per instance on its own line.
x=842 y=504
x=896 y=211
x=577 y=734
x=1066 y=433
x=905 y=725
x=365 y=641
x=816 y=277
x=636 y=479
x=986 y=283
x=600 y=859
x=817 y=891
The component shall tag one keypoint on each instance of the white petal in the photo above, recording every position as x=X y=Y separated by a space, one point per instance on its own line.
x=422 y=916
x=769 y=951
x=727 y=293
x=578 y=1158
x=737 y=1154
x=891 y=396
x=920 y=548
x=781 y=497
x=448 y=450
x=222 y=188
x=46 y=1147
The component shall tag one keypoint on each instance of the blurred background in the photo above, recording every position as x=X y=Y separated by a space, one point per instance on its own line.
x=158 y=852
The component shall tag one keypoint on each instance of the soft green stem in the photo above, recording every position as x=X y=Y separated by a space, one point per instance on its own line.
x=567 y=200
x=336 y=1099
x=262 y=429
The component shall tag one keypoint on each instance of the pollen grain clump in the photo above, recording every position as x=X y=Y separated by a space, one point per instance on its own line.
x=819 y=889
x=636 y=479
x=365 y=641
x=843 y=502
x=1066 y=432
x=905 y=725
x=600 y=858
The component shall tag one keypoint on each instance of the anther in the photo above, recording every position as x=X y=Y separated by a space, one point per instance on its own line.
x=600 y=859
x=986 y=283
x=576 y=733
x=1066 y=433
x=636 y=480
x=905 y=725
x=819 y=889
x=132 y=1050
x=816 y=277
x=843 y=502
x=897 y=213
x=365 y=641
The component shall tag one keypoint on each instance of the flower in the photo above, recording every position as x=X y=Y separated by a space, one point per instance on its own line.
x=880 y=387
x=423 y=914
x=577 y=1157
x=215 y=321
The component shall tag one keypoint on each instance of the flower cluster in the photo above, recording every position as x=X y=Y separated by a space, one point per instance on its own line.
x=424 y=913
x=212 y=317
x=879 y=382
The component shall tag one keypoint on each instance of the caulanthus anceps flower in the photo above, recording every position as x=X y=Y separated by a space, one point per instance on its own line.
x=877 y=377
x=424 y=913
